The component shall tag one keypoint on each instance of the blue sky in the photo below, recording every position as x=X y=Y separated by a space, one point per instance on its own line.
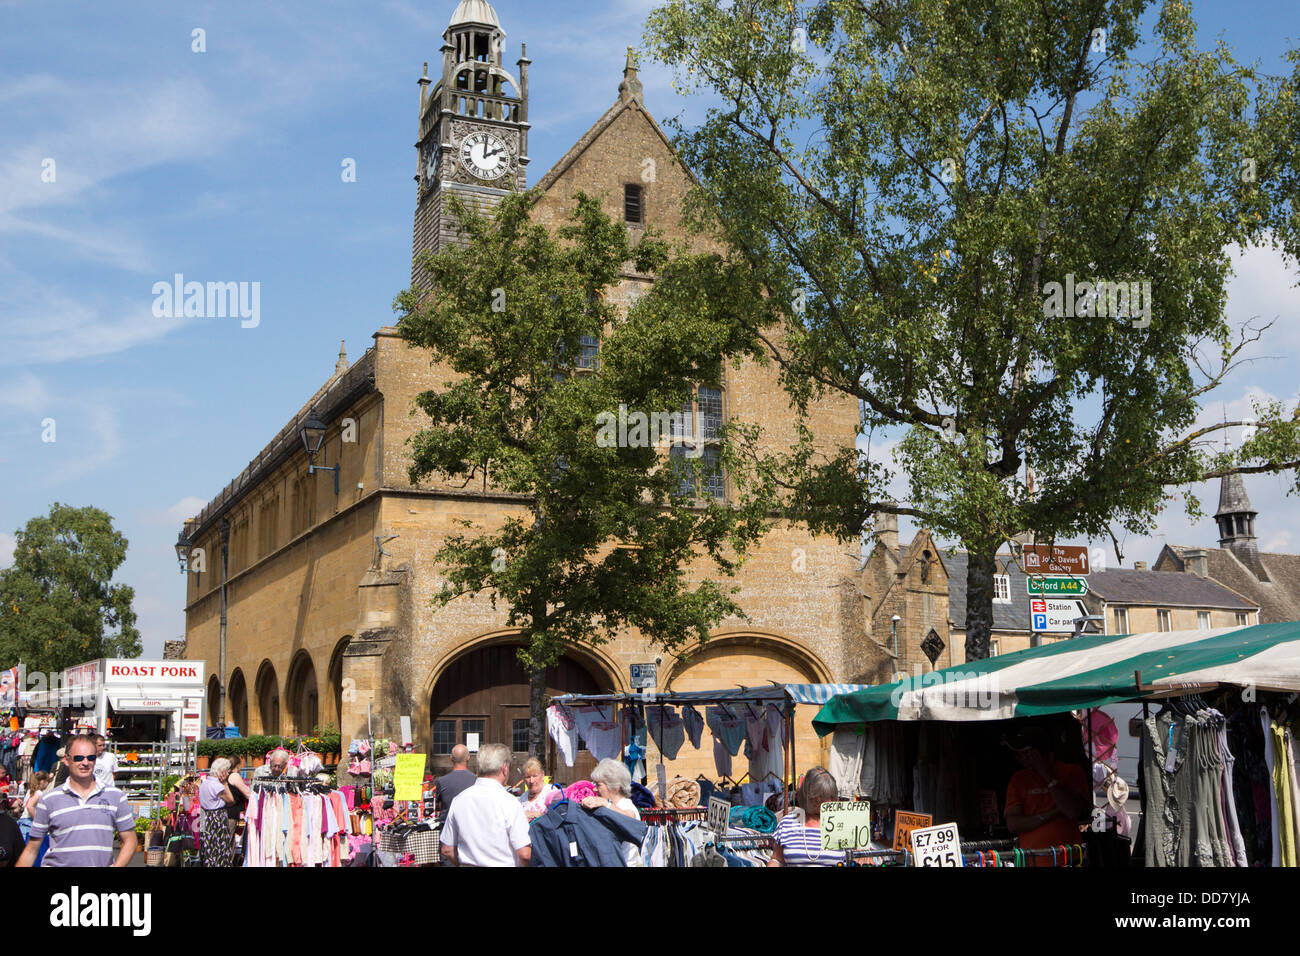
x=225 y=166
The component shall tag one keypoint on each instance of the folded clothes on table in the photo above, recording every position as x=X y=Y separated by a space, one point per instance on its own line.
x=754 y=818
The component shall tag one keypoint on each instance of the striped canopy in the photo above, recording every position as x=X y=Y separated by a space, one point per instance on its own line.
x=1081 y=672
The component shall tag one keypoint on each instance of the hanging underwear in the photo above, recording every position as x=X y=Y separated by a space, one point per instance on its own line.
x=667 y=730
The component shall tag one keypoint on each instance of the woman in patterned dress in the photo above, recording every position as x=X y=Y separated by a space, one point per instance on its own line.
x=217 y=846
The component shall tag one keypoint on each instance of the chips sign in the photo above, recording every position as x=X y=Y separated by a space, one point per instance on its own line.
x=846 y=825
x=1056 y=559
x=937 y=846
x=1052 y=587
x=905 y=823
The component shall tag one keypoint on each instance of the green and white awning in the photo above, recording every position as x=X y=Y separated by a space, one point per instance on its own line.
x=1082 y=672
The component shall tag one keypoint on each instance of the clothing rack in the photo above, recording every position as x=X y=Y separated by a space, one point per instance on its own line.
x=659 y=815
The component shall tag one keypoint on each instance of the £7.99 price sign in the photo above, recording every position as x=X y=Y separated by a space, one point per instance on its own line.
x=937 y=846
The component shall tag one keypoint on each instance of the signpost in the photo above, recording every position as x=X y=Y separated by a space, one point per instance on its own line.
x=644 y=675
x=1053 y=586
x=1056 y=559
x=1050 y=615
x=937 y=846
x=846 y=825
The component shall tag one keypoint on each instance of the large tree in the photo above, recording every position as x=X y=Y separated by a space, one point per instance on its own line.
x=58 y=605
x=909 y=178
x=535 y=359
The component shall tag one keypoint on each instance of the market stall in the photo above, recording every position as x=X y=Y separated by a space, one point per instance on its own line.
x=758 y=719
x=1219 y=708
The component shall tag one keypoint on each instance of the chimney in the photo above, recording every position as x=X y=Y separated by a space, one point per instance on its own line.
x=1197 y=562
x=887 y=530
x=1139 y=565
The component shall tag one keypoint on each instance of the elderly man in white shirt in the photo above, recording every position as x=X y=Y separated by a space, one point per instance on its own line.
x=486 y=825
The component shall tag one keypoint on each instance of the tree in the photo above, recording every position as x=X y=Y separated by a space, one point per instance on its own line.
x=921 y=184
x=541 y=361
x=58 y=606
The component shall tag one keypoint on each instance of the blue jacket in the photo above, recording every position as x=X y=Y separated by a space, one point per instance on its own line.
x=598 y=836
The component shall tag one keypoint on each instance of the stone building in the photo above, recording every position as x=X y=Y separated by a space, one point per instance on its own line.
x=329 y=614
x=1269 y=581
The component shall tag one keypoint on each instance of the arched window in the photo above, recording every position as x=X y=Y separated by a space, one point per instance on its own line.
x=336 y=683
x=237 y=701
x=304 y=705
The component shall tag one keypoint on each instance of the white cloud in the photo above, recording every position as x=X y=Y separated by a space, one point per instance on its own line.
x=69 y=330
x=1264 y=289
x=175 y=514
x=7 y=544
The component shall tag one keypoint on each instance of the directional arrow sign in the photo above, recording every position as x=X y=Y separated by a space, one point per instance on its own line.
x=1052 y=616
x=1051 y=586
x=1058 y=559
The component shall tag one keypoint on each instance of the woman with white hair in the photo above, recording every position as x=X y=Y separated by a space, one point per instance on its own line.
x=217 y=845
x=613 y=783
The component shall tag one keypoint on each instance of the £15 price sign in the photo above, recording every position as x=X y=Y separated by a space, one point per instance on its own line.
x=937 y=846
x=846 y=825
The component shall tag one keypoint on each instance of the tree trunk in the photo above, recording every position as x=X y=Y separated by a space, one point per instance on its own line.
x=537 y=713
x=979 y=603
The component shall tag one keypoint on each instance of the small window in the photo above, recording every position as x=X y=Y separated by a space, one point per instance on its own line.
x=633 y=203
x=519 y=735
x=1203 y=620
x=1242 y=619
x=1121 y=620
x=476 y=726
x=589 y=354
x=993 y=648
x=444 y=736
x=1162 y=617
x=1002 y=588
x=715 y=485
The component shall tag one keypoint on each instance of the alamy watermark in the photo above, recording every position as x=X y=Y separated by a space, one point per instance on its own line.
x=639 y=430
x=974 y=690
x=1098 y=298
x=213 y=300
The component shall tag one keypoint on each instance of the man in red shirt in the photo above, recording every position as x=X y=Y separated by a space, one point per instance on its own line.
x=1047 y=800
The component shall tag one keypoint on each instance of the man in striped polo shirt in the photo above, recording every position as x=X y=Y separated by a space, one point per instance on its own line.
x=81 y=816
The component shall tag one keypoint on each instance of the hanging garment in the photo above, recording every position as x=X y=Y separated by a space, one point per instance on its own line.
x=1282 y=785
x=1228 y=798
x=727 y=727
x=562 y=727
x=1161 y=820
x=667 y=729
x=845 y=763
x=694 y=725
x=1294 y=780
x=570 y=836
x=603 y=739
x=1274 y=805
x=721 y=757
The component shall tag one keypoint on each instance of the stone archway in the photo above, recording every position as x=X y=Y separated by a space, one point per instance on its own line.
x=214 y=700
x=335 y=685
x=268 y=700
x=750 y=660
x=237 y=701
x=484 y=690
x=301 y=695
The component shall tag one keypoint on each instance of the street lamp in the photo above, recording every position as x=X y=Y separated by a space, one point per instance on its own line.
x=312 y=433
x=893 y=627
x=183 y=548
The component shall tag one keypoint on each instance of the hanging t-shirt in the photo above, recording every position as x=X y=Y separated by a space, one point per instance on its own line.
x=802 y=845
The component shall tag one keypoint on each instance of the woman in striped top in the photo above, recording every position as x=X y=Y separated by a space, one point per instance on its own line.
x=799 y=835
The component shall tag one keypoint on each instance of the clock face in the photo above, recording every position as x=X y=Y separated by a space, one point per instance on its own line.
x=431 y=157
x=484 y=155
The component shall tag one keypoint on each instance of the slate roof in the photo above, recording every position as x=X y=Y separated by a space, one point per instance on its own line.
x=1164 y=589
x=1278 y=599
x=1232 y=497
x=1006 y=617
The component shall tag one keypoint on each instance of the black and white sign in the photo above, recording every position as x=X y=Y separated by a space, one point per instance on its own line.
x=937 y=846
x=719 y=815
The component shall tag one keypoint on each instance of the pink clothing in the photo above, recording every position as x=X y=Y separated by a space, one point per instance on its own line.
x=579 y=789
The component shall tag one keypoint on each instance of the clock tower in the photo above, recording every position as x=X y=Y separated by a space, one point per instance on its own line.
x=473 y=133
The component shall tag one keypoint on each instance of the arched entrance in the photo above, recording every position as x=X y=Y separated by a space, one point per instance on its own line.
x=485 y=692
x=237 y=701
x=751 y=660
x=304 y=706
x=214 y=700
x=336 y=684
x=268 y=699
